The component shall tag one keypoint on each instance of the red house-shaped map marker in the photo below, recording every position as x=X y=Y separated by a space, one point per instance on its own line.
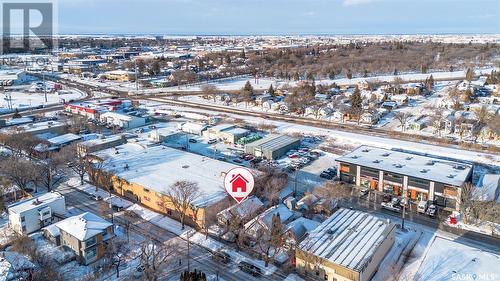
x=239 y=183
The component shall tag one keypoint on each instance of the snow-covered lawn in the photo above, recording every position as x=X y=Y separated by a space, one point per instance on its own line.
x=92 y=190
x=446 y=259
x=159 y=220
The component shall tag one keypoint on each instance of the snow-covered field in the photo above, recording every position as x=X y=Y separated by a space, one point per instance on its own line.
x=23 y=100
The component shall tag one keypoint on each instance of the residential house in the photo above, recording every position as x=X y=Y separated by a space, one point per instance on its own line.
x=32 y=214
x=263 y=222
x=87 y=235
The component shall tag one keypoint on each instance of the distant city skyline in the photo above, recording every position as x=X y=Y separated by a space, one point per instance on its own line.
x=278 y=17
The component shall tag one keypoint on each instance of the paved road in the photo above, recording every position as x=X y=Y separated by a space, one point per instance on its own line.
x=200 y=257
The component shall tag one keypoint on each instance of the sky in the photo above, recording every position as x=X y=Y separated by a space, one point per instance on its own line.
x=277 y=17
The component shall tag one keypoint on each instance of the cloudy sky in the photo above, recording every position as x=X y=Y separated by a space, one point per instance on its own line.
x=278 y=16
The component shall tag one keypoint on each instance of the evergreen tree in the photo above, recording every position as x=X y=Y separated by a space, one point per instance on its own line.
x=349 y=74
x=243 y=55
x=271 y=90
x=228 y=59
x=469 y=75
x=16 y=114
x=355 y=98
x=296 y=76
x=248 y=87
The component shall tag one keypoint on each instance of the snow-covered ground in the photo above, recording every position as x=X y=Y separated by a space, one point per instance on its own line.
x=446 y=259
x=23 y=99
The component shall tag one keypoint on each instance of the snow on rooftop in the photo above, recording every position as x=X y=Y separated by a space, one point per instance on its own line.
x=447 y=172
x=63 y=139
x=446 y=259
x=159 y=167
x=33 y=127
x=348 y=238
x=84 y=226
x=488 y=188
x=11 y=264
x=100 y=140
x=267 y=216
x=35 y=202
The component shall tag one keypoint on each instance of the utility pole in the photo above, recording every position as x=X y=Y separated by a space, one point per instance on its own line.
x=135 y=71
x=403 y=215
x=44 y=86
x=188 y=257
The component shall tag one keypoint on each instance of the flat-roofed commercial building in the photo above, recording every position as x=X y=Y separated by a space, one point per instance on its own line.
x=226 y=132
x=272 y=146
x=146 y=174
x=399 y=173
x=349 y=245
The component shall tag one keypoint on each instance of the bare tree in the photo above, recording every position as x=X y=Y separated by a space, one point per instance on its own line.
x=272 y=241
x=116 y=252
x=403 y=118
x=76 y=162
x=153 y=256
x=210 y=91
x=19 y=171
x=51 y=170
x=182 y=194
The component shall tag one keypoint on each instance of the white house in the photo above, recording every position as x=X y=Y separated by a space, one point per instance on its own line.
x=193 y=128
x=263 y=223
x=32 y=214
x=122 y=120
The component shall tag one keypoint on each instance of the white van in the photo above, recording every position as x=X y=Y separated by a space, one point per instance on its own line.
x=422 y=206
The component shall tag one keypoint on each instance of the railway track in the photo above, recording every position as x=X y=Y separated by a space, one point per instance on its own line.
x=315 y=123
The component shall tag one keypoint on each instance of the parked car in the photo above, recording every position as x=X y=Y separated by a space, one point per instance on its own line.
x=193 y=141
x=250 y=268
x=116 y=208
x=332 y=171
x=138 y=271
x=326 y=176
x=96 y=197
x=422 y=206
x=236 y=160
x=212 y=141
x=364 y=192
x=431 y=211
x=221 y=256
x=387 y=198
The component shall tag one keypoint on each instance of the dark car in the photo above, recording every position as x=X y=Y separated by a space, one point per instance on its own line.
x=193 y=141
x=332 y=171
x=387 y=198
x=221 y=256
x=250 y=268
x=326 y=175
x=236 y=160
x=117 y=208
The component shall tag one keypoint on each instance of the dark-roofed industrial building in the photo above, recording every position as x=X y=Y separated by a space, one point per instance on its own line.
x=272 y=146
x=417 y=177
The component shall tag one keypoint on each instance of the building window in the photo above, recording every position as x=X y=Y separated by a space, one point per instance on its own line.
x=23 y=219
x=326 y=277
x=90 y=253
x=344 y=168
x=23 y=228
